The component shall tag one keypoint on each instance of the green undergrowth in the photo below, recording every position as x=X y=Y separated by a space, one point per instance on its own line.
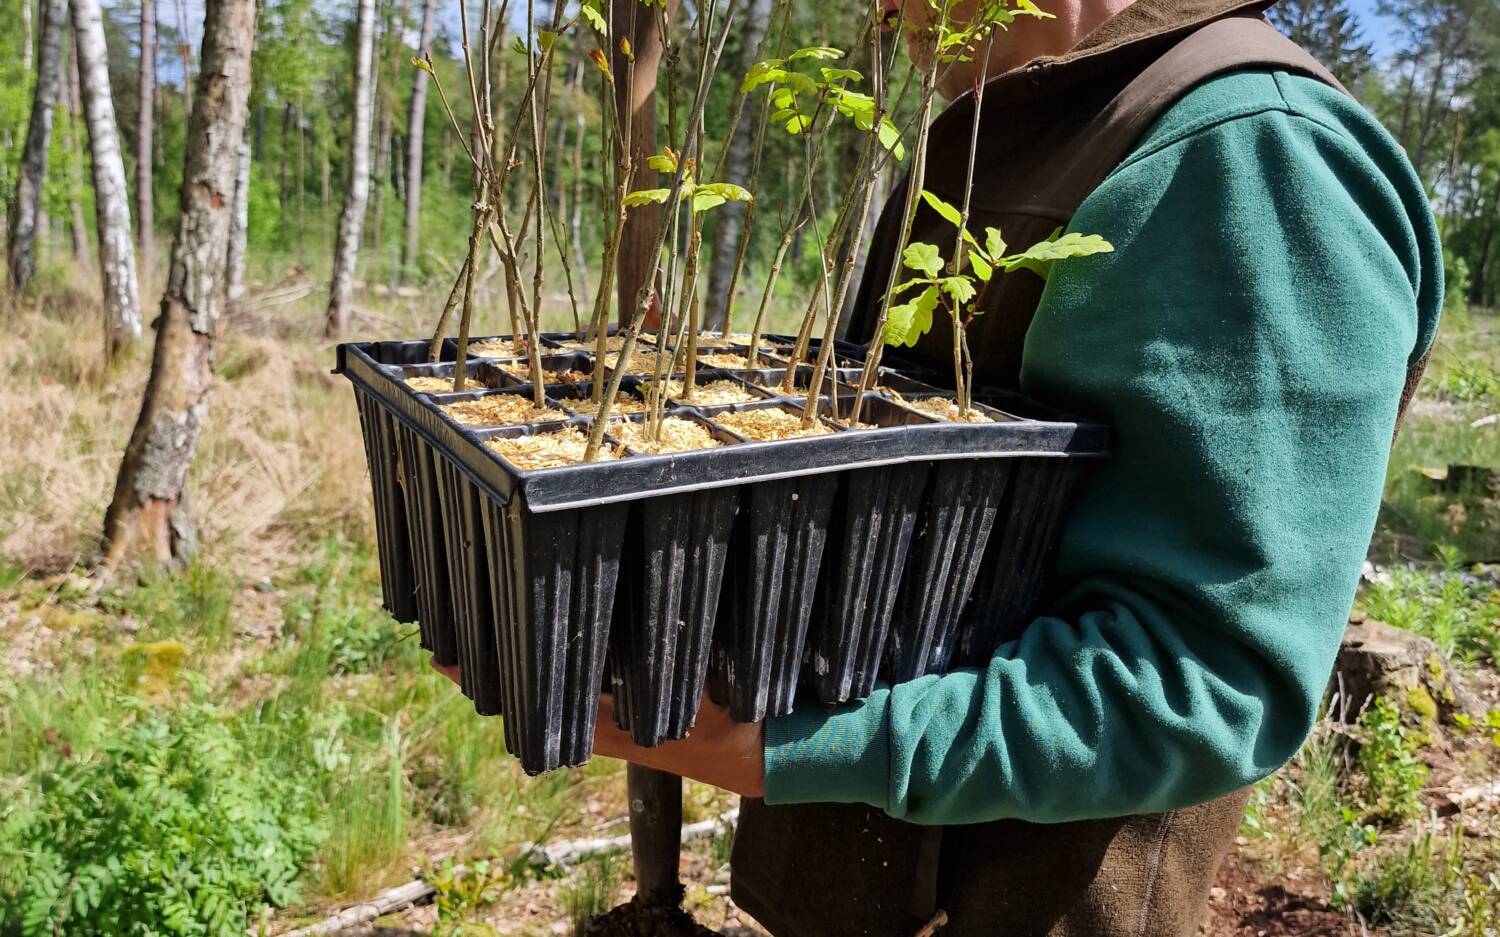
x=1458 y=609
x=176 y=779
x=1447 y=426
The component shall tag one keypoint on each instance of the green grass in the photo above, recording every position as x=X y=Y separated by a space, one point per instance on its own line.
x=1459 y=611
x=594 y=887
x=1419 y=517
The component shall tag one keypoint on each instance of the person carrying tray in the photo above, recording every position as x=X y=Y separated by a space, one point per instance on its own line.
x=1275 y=283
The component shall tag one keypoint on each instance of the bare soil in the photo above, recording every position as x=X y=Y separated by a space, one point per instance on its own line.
x=1244 y=904
x=634 y=919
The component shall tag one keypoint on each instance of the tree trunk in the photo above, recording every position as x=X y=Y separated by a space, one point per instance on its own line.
x=415 y=124
x=351 y=219
x=122 y=311
x=21 y=263
x=186 y=52
x=729 y=218
x=1477 y=284
x=79 y=227
x=639 y=234
x=146 y=88
x=148 y=515
x=239 y=230
x=26 y=39
x=386 y=94
x=286 y=150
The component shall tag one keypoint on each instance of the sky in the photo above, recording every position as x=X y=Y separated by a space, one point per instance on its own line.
x=1377 y=30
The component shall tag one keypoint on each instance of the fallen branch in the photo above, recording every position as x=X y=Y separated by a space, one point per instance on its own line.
x=563 y=854
x=574 y=851
x=387 y=902
x=280 y=297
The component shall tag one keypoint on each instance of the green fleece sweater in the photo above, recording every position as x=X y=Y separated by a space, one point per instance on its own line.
x=1276 y=267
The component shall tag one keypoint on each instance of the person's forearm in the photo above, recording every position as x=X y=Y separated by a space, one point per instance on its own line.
x=1247 y=342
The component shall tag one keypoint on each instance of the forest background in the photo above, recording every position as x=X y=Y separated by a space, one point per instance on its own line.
x=253 y=722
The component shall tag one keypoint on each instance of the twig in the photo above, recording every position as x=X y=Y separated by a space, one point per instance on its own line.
x=387 y=902
x=562 y=854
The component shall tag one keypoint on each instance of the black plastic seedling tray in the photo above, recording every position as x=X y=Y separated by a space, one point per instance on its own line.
x=888 y=550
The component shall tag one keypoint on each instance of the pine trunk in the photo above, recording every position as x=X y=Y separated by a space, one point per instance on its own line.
x=148 y=516
x=21 y=263
x=146 y=87
x=122 y=311
x=415 y=123
x=351 y=219
x=730 y=217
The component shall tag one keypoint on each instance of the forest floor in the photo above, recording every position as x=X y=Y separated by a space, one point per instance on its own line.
x=260 y=722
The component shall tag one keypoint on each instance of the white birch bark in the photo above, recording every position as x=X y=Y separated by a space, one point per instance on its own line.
x=415 y=123
x=239 y=228
x=148 y=514
x=357 y=195
x=145 y=118
x=122 y=311
x=24 y=222
x=729 y=220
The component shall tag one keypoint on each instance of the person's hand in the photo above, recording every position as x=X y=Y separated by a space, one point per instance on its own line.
x=718 y=751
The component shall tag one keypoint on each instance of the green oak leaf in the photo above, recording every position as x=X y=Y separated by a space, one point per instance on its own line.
x=595 y=19
x=906 y=323
x=771 y=70
x=824 y=53
x=994 y=244
x=890 y=138
x=960 y=288
x=1039 y=257
x=924 y=257
x=830 y=75
x=646 y=197
x=982 y=270
x=727 y=191
x=949 y=213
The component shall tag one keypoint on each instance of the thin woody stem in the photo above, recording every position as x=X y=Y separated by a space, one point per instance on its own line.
x=455 y=295
x=643 y=295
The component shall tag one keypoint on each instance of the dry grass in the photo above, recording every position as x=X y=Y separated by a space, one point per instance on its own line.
x=279 y=450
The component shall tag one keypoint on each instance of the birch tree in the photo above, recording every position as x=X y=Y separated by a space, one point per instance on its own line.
x=415 y=122
x=239 y=229
x=357 y=193
x=21 y=262
x=148 y=515
x=392 y=45
x=122 y=311
x=729 y=220
x=145 y=116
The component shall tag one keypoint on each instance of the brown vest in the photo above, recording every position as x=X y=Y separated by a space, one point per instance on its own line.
x=1050 y=133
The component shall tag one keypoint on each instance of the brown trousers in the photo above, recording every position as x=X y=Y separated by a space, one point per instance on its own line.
x=861 y=873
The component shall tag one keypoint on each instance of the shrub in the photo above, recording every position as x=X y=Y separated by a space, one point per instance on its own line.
x=339 y=610
x=172 y=826
x=1391 y=775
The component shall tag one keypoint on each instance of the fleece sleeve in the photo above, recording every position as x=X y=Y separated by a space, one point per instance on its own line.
x=1247 y=341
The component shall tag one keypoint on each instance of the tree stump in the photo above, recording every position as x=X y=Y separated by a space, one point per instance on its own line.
x=1377 y=659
